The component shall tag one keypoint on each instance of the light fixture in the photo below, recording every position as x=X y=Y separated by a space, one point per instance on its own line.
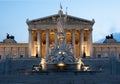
x=59 y=52
x=63 y=53
x=61 y=64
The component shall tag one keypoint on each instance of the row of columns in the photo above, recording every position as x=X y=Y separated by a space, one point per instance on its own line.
x=39 y=42
x=17 y=52
x=99 y=51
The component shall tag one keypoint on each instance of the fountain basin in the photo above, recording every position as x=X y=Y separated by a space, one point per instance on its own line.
x=61 y=67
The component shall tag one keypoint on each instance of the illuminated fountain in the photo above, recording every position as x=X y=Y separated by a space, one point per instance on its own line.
x=61 y=56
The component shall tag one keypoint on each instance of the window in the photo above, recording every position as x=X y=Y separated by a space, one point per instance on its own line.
x=0 y=56
x=21 y=56
x=99 y=55
x=119 y=56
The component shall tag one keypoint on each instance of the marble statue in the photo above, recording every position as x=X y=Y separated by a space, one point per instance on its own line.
x=60 y=51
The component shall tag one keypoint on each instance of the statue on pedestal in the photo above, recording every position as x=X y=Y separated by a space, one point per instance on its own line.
x=9 y=37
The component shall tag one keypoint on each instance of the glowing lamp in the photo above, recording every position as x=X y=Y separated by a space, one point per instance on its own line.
x=63 y=53
x=59 y=52
x=61 y=64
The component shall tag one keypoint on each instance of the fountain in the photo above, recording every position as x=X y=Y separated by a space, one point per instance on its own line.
x=61 y=56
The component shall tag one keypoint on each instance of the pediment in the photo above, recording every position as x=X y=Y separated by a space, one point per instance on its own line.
x=53 y=19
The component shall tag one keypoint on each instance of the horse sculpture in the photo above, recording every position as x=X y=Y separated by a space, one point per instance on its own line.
x=109 y=37
x=9 y=37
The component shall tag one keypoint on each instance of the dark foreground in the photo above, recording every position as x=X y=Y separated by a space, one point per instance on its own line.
x=60 y=78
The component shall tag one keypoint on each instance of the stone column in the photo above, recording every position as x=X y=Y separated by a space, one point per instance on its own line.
x=18 y=52
x=30 y=43
x=94 y=51
x=27 y=52
x=101 y=52
x=3 y=53
x=39 y=42
x=11 y=52
x=47 y=42
x=90 y=42
x=73 y=42
x=116 y=52
x=65 y=35
x=81 y=42
x=56 y=38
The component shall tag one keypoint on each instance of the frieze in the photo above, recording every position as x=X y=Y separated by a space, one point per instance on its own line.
x=54 y=26
x=54 y=22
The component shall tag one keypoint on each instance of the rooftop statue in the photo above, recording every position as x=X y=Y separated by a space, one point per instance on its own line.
x=110 y=39
x=9 y=37
x=109 y=36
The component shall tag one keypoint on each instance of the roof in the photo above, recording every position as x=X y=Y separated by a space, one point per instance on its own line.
x=53 y=19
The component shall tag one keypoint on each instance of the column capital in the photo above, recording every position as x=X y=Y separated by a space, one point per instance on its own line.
x=39 y=29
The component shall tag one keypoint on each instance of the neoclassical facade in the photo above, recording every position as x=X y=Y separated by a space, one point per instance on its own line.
x=11 y=49
x=42 y=33
x=110 y=47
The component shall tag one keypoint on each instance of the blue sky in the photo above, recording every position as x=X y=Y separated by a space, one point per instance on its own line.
x=13 y=15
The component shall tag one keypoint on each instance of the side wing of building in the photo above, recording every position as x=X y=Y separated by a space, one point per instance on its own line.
x=13 y=50
x=106 y=50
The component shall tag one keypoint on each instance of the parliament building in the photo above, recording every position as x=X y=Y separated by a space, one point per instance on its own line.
x=60 y=50
x=42 y=35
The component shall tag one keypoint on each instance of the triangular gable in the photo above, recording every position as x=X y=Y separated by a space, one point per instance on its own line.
x=53 y=19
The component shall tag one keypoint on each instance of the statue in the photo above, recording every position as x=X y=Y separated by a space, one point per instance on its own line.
x=60 y=52
x=9 y=37
x=109 y=36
